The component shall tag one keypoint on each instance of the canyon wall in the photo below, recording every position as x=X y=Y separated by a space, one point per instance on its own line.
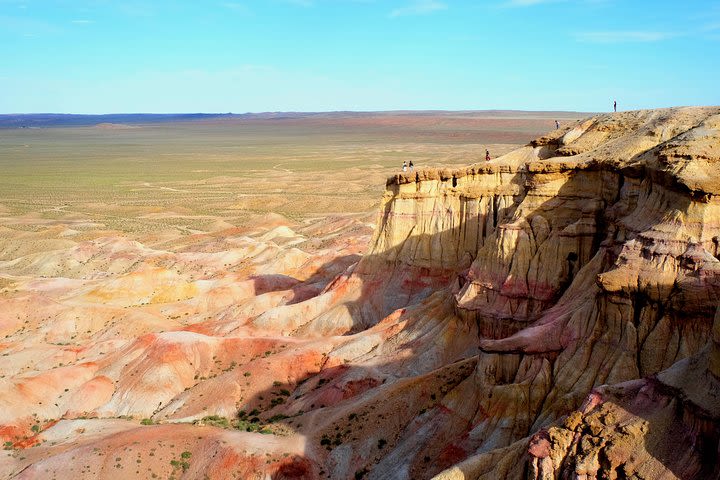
x=588 y=257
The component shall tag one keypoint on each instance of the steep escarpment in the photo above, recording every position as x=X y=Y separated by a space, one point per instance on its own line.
x=592 y=259
x=545 y=314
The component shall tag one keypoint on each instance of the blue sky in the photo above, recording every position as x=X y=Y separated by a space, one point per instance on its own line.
x=108 y=56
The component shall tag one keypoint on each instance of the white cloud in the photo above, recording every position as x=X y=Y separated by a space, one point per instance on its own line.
x=531 y=3
x=528 y=3
x=623 y=36
x=302 y=3
x=419 y=7
x=82 y=22
x=236 y=7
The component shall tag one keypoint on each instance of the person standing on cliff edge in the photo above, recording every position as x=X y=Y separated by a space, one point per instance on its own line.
x=404 y=166
x=412 y=166
x=557 y=125
x=487 y=155
x=614 y=105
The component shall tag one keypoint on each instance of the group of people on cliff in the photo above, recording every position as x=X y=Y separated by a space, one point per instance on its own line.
x=411 y=165
x=405 y=166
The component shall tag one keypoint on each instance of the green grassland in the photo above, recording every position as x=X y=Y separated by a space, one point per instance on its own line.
x=188 y=175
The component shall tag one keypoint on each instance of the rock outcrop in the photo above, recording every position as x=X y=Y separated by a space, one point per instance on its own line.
x=662 y=426
x=594 y=261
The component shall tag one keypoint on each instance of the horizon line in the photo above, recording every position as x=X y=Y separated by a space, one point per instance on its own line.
x=265 y=112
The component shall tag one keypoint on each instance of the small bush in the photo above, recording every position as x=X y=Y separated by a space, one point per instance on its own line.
x=216 y=421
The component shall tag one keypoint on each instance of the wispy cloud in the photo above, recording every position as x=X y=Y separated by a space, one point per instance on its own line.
x=623 y=36
x=419 y=7
x=82 y=22
x=236 y=7
x=301 y=3
x=532 y=3
x=528 y=3
x=710 y=27
x=27 y=27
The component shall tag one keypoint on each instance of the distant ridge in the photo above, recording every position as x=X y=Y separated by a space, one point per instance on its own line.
x=42 y=120
x=35 y=120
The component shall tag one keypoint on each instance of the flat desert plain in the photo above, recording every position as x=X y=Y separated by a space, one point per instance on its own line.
x=198 y=176
x=158 y=282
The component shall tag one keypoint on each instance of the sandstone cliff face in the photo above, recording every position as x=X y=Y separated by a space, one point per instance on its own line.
x=665 y=425
x=594 y=258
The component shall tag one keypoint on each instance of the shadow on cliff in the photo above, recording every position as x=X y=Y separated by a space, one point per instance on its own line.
x=329 y=407
x=390 y=288
x=347 y=406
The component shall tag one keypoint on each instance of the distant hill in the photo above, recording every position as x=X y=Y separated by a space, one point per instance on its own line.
x=72 y=120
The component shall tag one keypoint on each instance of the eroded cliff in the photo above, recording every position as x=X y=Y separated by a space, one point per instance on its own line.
x=588 y=257
x=547 y=314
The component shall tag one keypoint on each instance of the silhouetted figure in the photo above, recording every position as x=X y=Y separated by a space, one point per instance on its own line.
x=487 y=155
x=404 y=166
x=614 y=105
x=557 y=125
x=412 y=166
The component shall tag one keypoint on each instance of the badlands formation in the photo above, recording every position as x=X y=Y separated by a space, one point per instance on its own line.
x=552 y=313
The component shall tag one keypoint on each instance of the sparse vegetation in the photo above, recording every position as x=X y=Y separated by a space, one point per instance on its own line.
x=83 y=181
